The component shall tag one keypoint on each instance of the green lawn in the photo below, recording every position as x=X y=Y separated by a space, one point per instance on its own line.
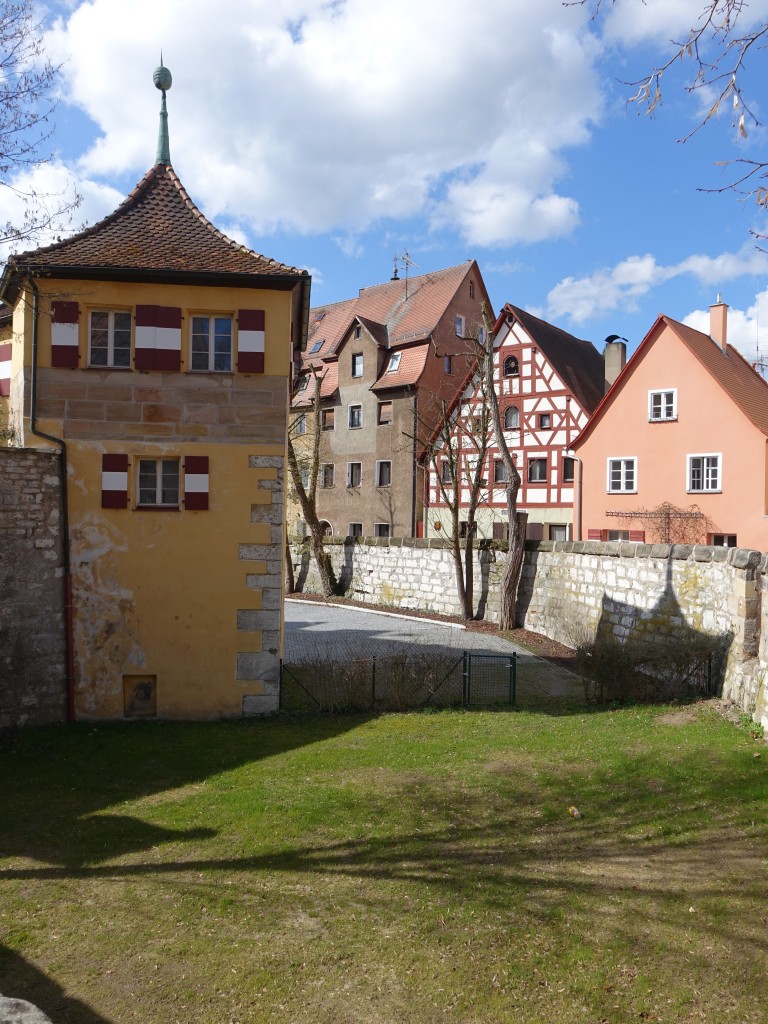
x=408 y=868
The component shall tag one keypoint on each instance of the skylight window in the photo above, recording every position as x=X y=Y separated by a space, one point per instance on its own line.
x=319 y=317
x=317 y=346
x=394 y=362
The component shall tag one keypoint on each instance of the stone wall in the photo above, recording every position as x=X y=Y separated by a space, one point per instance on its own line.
x=32 y=644
x=569 y=591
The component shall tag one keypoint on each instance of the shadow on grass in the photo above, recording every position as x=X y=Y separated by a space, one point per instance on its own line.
x=19 y=979
x=57 y=782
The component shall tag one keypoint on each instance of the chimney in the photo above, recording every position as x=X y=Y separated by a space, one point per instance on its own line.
x=718 y=323
x=615 y=359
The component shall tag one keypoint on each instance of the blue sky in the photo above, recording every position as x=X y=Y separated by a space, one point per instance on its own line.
x=336 y=135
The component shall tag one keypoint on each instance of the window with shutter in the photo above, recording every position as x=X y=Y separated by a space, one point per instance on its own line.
x=114 y=481
x=251 y=334
x=158 y=338
x=196 y=483
x=65 y=334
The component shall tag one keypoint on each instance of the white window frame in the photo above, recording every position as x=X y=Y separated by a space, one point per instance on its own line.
x=357 y=364
x=111 y=329
x=164 y=479
x=537 y=458
x=545 y=416
x=300 y=424
x=359 y=417
x=349 y=474
x=212 y=356
x=460 y=326
x=667 y=403
x=379 y=527
x=394 y=362
x=514 y=366
x=708 y=461
x=379 y=464
x=625 y=461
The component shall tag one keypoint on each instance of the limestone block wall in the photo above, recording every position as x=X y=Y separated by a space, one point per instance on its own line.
x=32 y=644
x=569 y=590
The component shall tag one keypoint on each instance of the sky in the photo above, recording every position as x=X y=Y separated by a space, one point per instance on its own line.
x=338 y=135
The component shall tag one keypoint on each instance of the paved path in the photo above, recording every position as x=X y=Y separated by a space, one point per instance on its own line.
x=320 y=632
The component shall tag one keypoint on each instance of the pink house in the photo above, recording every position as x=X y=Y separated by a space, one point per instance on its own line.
x=676 y=451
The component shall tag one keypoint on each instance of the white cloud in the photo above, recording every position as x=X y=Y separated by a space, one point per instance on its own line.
x=621 y=287
x=310 y=116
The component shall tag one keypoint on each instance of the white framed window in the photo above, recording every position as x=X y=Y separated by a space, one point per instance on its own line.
x=158 y=483
x=212 y=344
x=662 y=405
x=355 y=417
x=460 y=325
x=355 y=530
x=383 y=474
x=511 y=367
x=617 y=534
x=704 y=473
x=326 y=475
x=300 y=423
x=304 y=475
x=394 y=362
x=381 y=530
x=545 y=421
x=512 y=418
x=301 y=383
x=109 y=338
x=723 y=540
x=384 y=413
x=499 y=472
x=622 y=475
x=354 y=474
x=357 y=364
x=537 y=471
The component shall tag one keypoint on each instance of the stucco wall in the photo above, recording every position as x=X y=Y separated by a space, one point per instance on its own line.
x=570 y=590
x=32 y=654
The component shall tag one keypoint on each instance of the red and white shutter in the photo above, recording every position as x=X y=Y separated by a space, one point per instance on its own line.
x=594 y=534
x=196 y=483
x=114 y=481
x=158 y=338
x=637 y=535
x=5 y=370
x=64 y=334
x=250 y=340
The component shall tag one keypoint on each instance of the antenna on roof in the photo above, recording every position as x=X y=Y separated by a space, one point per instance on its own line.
x=405 y=262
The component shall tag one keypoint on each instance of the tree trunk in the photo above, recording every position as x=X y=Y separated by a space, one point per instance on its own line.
x=513 y=568
x=290 y=579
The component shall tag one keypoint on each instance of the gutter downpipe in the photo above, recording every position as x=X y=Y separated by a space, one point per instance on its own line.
x=60 y=443
x=414 y=481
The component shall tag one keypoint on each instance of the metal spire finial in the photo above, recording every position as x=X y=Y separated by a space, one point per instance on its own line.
x=163 y=80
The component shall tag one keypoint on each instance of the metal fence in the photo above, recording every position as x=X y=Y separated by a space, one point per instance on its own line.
x=399 y=682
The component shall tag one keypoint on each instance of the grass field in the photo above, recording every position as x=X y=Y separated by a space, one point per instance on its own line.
x=407 y=868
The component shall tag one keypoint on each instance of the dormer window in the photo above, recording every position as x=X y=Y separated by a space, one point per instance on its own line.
x=394 y=362
x=358 y=331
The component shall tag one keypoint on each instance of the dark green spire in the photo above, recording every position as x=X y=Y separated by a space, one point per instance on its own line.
x=163 y=81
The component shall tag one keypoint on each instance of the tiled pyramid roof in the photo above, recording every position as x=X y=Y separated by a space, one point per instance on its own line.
x=156 y=228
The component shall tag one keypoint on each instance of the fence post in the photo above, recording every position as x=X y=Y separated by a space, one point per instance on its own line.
x=465 y=680
x=280 y=688
x=373 y=683
x=512 y=673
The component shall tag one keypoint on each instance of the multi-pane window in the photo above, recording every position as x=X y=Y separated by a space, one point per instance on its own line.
x=569 y=464
x=212 y=343
x=326 y=475
x=355 y=417
x=354 y=474
x=327 y=418
x=622 y=475
x=357 y=364
x=385 y=413
x=383 y=474
x=499 y=472
x=723 y=540
x=110 y=338
x=381 y=529
x=355 y=530
x=159 y=482
x=703 y=472
x=304 y=476
x=537 y=471
x=300 y=423
x=512 y=418
x=662 y=405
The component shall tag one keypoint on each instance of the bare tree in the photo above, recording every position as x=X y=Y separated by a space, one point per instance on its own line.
x=719 y=48
x=304 y=466
x=27 y=101
x=458 y=452
x=516 y=520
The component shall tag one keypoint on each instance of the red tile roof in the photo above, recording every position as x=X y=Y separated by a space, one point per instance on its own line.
x=744 y=386
x=412 y=362
x=156 y=228
x=329 y=384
